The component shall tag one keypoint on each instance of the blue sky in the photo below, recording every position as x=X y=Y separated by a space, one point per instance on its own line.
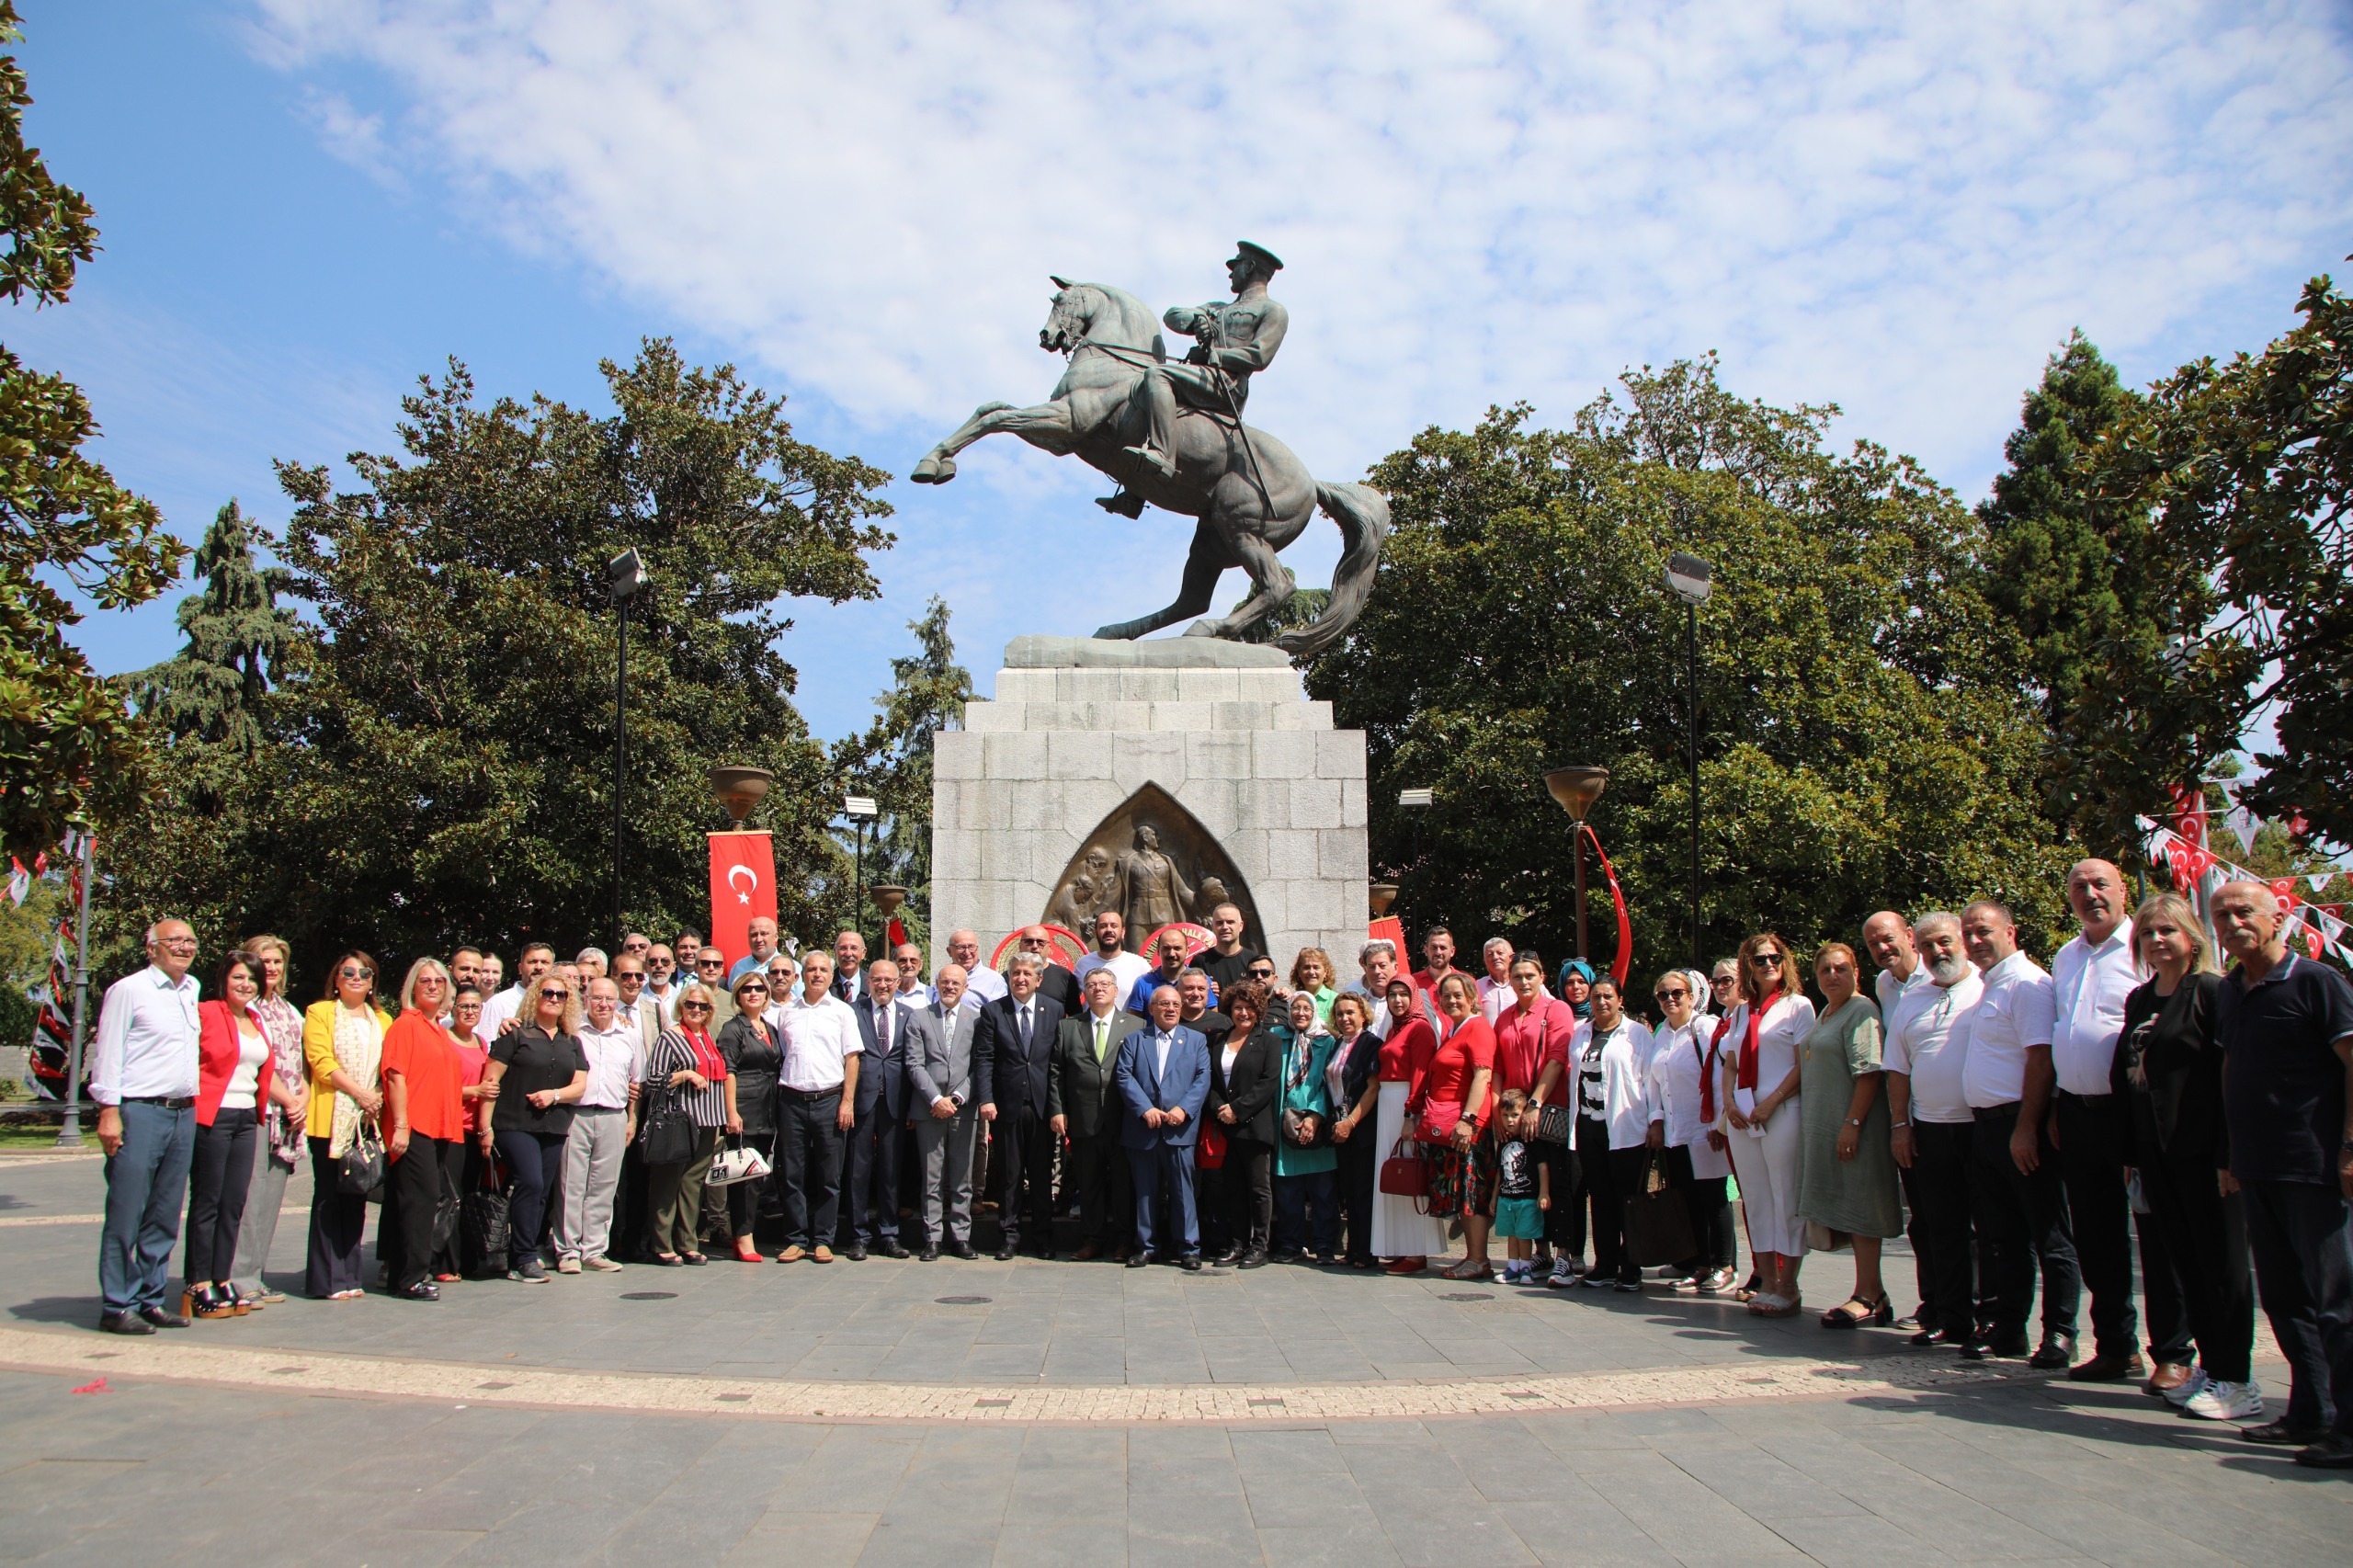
x=307 y=203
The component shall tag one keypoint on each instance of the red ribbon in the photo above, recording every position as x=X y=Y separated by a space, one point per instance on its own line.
x=1625 y=958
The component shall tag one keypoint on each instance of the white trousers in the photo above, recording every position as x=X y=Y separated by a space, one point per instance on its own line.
x=1767 y=1170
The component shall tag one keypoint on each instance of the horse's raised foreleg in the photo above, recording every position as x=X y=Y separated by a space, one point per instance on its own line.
x=1045 y=425
x=1273 y=582
x=1209 y=559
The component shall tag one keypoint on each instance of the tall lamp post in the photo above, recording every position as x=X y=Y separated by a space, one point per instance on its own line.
x=629 y=579
x=1577 y=788
x=860 y=809
x=1688 y=579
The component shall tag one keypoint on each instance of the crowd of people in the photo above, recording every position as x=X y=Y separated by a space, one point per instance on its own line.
x=2020 y=1126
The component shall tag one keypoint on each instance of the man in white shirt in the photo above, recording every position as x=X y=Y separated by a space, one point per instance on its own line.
x=144 y=1080
x=1931 y=1127
x=911 y=989
x=2090 y=978
x=1111 y=952
x=603 y=1121
x=1887 y=935
x=818 y=1085
x=498 y=1012
x=2021 y=1206
x=982 y=985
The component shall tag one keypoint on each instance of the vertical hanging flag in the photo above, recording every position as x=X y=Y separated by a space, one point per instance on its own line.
x=2188 y=814
x=742 y=884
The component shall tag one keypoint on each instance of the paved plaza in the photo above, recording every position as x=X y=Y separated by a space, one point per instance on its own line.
x=1037 y=1413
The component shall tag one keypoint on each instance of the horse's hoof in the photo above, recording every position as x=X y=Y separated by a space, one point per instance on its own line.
x=1206 y=628
x=934 y=471
x=1116 y=633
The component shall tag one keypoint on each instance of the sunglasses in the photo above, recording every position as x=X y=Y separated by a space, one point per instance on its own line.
x=555 y=996
x=711 y=963
x=1262 y=974
x=1766 y=960
x=759 y=990
x=635 y=947
x=359 y=975
x=693 y=1006
x=1669 y=995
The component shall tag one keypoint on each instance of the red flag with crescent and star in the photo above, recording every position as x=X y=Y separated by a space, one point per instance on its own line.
x=742 y=884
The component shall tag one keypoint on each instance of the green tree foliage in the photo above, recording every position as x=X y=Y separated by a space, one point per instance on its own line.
x=439 y=768
x=891 y=761
x=1859 y=747
x=2236 y=480
x=64 y=520
x=239 y=640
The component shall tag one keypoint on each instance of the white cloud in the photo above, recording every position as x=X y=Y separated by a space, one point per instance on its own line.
x=1900 y=208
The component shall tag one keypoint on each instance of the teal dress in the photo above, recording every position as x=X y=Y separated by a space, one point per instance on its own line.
x=1309 y=1094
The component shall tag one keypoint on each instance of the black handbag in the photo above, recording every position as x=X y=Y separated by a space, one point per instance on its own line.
x=1658 y=1223
x=669 y=1132
x=1556 y=1124
x=482 y=1226
x=361 y=1172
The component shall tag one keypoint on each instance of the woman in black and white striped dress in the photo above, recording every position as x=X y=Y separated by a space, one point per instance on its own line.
x=685 y=1067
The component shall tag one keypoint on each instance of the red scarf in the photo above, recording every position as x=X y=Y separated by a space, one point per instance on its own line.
x=1746 y=1076
x=1708 y=1060
x=708 y=1062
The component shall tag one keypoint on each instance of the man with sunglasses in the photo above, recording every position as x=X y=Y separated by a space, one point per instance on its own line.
x=711 y=969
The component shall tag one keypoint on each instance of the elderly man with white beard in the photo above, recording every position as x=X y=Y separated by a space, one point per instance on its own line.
x=1932 y=1128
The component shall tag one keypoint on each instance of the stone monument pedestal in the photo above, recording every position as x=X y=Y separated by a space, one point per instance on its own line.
x=1213 y=744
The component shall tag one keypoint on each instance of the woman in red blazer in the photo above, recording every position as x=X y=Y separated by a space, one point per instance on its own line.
x=235 y=1068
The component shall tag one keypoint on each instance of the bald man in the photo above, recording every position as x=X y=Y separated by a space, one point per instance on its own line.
x=2090 y=978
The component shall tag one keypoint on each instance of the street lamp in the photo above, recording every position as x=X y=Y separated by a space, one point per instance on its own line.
x=740 y=790
x=629 y=579
x=1688 y=579
x=862 y=810
x=1577 y=788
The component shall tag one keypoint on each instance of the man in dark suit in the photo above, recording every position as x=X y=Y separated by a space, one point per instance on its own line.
x=1013 y=1046
x=1055 y=984
x=871 y=1162
x=1163 y=1077
x=1083 y=1105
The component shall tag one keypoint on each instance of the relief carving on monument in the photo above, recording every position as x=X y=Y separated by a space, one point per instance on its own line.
x=1153 y=862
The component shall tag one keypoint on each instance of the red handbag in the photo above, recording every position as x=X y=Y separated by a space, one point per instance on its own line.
x=1404 y=1175
x=1210 y=1156
x=1439 y=1118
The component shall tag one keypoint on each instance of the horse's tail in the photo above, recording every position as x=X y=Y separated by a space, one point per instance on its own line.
x=1363 y=515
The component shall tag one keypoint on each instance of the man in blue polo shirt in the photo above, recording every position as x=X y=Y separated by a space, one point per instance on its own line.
x=2286 y=1026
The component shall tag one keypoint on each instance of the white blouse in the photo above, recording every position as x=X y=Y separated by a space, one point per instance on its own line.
x=1779 y=1034
x=1677 y=1059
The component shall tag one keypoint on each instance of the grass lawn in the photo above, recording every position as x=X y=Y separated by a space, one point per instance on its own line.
x=35 y=1140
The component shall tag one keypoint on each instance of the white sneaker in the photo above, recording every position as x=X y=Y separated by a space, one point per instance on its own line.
x=2182 y=1392
x=2225 y=1402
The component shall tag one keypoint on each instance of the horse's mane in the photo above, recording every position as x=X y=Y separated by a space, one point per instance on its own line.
x=1142 y=312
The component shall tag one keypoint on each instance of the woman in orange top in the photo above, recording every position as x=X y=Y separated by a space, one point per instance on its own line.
x=236 y=1078
x=425 y=1130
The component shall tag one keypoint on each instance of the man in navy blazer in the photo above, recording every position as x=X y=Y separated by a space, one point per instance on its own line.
x=1163 y=1076
x=889 y=1029
x=1013 y=1041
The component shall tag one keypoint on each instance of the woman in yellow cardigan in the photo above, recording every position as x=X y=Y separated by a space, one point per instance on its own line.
x=343 y=1041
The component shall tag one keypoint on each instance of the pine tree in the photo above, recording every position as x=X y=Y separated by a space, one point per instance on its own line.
x=239 y=640
x=892 y=760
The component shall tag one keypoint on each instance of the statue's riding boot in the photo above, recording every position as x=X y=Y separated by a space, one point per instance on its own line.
x=1126 y=503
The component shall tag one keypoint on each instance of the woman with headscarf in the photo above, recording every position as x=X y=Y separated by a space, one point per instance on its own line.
x=1760 y=1082
x=343 y=1041
x=280 y=1144
x=1576 y=986
x=1401 y=1232
x=1307 y=1214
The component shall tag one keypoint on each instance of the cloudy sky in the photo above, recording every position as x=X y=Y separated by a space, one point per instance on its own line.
x=1899 y=209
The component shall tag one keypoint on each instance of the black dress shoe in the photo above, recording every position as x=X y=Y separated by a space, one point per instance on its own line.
x=1983 y=1346
x=1227 y=1258
x=2331 y=1452
x=1927 y=1337
x=929 y=1254
x=1190 y=1263
x=888 y=1247
x=1137 y=1260
x=124 y=1322
x=1253 y=1260
x=963 y=1250
x=423 y=1291
x=2055 y=1352
x=157 y=1317
x=2283 y=1434
x=855 y=1252
x=1005 y=1252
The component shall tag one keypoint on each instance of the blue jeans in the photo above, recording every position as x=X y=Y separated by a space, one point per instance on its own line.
x=146 y=1178
x=1294 y=1196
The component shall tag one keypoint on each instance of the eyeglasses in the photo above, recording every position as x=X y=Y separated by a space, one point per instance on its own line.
x=693 y=1006
x=423 y=980
x=1262 y=974
x=635 y=947
x=555 y=996
x=711 y=963
x=1676 y=995
x=627 y=975
x=1766 y=960
x=350 y=973
x=752 y=990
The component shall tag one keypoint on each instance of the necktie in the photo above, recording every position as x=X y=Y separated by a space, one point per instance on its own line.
x=882 y=1031
x=1025 y=1026
x=1102 y=1038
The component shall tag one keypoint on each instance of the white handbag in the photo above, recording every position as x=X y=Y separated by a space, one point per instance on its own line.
x=739 y=1163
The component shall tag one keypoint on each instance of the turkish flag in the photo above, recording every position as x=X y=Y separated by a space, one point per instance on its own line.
x=742 y=884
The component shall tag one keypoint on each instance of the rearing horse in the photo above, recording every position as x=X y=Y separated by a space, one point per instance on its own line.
x=1250 y=494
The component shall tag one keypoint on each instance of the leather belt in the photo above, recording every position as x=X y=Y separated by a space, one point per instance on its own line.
x=2008 y=1108
x=169 y=1102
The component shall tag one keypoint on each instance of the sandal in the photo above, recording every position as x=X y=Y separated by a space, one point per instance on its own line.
x=1843 y=1315
x=1469 y=1268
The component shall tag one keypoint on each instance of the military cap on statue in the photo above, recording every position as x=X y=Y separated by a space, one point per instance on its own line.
x=1259 y=253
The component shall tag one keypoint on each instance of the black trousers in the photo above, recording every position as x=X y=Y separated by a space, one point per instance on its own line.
x=1249 y=1183
x=1359 y=1178
x=535 y=1164
x=1024 y=1155
x=808 y=1167
x=338 y=1224
x=218 y=1171
x=2302 y=1236
x=2095 y=1131
x=1096 y=1171
x=871 y=1176
x=2205 y=1239
x=1709 y=1203
x=413 y=1192
x=2021 y=1221
x=632 y=1206
x=746 y=1201
x=1565 y=1222
x=1596 y=1201
x=1626 y=1168
x=1937 y=1187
